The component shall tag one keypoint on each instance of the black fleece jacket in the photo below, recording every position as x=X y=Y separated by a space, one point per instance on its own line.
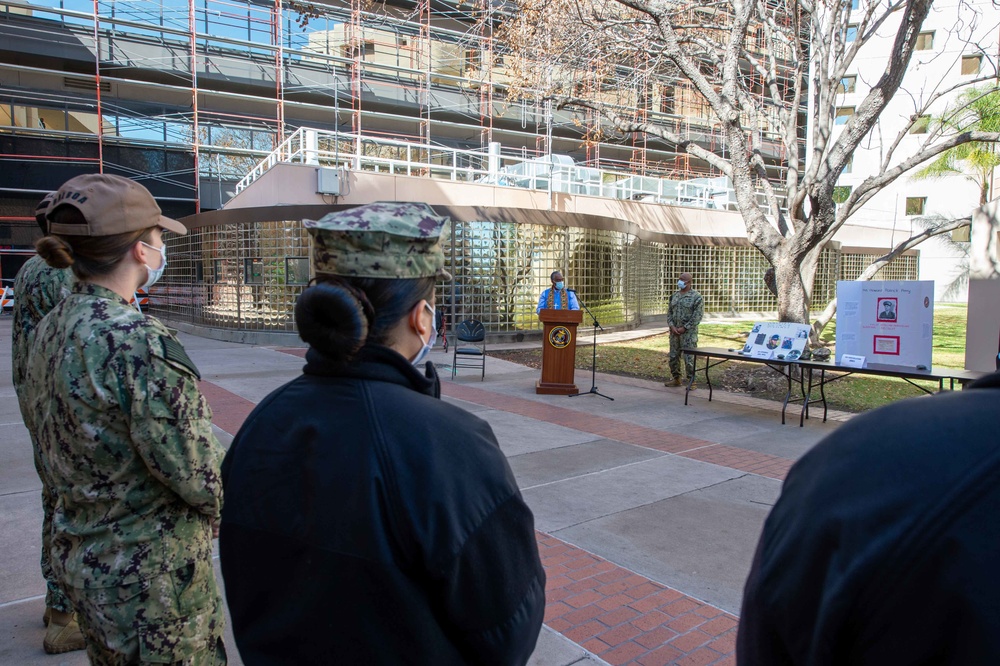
x=884 y=547
x=368 y=522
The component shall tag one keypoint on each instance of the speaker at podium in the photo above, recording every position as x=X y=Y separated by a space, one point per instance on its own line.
x=558 y=351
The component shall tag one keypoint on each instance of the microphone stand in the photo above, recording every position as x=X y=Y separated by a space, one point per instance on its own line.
x=593 y=361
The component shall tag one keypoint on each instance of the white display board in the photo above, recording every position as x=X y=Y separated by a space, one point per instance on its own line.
x=889 y=322
x=777 y=340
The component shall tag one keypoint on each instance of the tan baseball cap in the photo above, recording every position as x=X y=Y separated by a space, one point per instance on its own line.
x=111 y=205
x=41 y=209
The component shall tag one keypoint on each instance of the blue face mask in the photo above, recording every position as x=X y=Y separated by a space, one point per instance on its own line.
x=681 y=284
x=426 y=349
x=560 y=285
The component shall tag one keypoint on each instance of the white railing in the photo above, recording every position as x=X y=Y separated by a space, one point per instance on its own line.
x=555 y=173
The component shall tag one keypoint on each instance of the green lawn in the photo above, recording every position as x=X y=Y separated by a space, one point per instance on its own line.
x=646 y=358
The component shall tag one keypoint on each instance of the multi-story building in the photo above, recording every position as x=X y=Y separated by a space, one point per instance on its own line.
x=959 y=43
x=191 y=97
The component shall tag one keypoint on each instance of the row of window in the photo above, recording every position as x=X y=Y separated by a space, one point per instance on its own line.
x=288 y=271
x=925 y=40
x=971 y=65
x=914 y=205
x=920 y=126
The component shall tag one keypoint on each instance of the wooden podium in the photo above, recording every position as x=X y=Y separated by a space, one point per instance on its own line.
x=558 y=351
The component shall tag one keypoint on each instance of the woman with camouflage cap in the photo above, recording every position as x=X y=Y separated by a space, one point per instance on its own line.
x=366 y=520
x=125 y=438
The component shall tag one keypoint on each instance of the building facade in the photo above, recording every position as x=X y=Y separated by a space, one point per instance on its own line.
x=959 y=44
x=196 y=100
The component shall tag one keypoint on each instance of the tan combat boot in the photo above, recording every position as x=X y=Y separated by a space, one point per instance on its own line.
x=676 y=381
x=63 y=634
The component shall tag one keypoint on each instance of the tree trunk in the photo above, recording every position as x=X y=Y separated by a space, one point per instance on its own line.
x=795 y=275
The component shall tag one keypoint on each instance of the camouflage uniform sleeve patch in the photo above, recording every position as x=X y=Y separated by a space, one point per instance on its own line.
x=174 y=351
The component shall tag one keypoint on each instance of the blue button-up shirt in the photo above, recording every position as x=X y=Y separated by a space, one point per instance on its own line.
x=557 y=301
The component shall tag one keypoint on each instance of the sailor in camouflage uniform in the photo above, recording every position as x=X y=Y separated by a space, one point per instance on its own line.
x=37 y=289
x=125 y=438
x=683 y=316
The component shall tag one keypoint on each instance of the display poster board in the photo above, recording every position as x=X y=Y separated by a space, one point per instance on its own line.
x=777 y=340
x=889 y=322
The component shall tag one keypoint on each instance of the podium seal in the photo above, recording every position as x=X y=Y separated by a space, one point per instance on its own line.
x=560 y=337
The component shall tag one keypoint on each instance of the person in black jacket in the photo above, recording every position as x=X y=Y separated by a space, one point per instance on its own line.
x=884 y=549
x=366 y=521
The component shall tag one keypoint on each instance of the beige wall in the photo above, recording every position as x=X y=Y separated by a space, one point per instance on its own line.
x=982 y=334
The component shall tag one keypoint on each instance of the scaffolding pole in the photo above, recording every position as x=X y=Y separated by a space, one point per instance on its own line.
x=196 y=125
x=97 y=80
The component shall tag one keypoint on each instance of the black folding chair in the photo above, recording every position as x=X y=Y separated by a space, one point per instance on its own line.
x=471 y=354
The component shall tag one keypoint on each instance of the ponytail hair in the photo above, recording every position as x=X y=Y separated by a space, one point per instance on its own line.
x=339 y=315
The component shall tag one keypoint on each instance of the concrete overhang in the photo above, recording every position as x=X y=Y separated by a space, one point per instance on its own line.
x=288 y=192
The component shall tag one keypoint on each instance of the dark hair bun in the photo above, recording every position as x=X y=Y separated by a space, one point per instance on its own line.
x=332 y=320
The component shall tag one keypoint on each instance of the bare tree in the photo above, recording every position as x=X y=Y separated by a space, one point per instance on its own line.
x=754 y=67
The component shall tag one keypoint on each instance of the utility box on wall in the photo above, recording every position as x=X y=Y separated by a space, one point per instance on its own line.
x=328 y=181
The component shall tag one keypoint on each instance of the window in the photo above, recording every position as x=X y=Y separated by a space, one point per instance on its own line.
x=971 y=64
x=920 y=125
x=852 y=33
x=253 y=271
x=843 y=113
x=849 y=166
x=855 y=4
x=915 y=205
x=841 y=192
x=359 y=50
x=667 y=102
x=962 y=234
x=223 y=270
x=473 y=58
x=925 y=41
x=848 y=84
x=297 y=270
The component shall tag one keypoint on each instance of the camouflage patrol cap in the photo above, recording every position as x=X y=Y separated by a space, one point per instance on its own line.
x=379 y=240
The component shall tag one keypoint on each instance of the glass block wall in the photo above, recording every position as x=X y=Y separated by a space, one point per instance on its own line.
x=900 y=268
x=246 y=277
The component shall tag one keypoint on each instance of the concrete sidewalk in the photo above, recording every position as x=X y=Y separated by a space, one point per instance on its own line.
x=647 y=511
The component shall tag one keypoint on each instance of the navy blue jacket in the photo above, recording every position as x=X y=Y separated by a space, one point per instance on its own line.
x=884 y=547
x=368 y=522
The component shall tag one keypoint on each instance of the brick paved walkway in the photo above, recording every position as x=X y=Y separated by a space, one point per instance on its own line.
x=625 y=618
x=761 y=464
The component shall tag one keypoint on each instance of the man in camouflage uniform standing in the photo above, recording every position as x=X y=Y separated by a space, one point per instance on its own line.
x=683 y=316
x=37 y=289
x=125 y=437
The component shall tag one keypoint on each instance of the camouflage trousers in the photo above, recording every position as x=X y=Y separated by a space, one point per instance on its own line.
x=174 y=618
x=55 y=598
x=687 y=339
